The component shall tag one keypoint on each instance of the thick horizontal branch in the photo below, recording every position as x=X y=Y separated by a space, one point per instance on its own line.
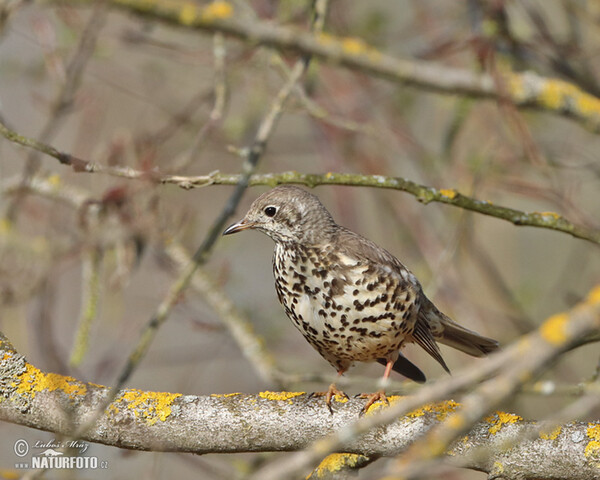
x=523 y=90
x=275 y=421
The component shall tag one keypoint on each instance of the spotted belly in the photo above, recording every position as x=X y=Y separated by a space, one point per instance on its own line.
x=340 y=313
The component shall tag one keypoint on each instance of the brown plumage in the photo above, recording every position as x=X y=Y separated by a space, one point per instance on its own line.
x=351 y=299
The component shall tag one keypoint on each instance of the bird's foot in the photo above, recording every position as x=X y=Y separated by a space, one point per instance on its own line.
x=331 y=392
x=371 y=399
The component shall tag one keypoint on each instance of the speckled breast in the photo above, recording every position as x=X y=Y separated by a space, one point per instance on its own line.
x=346 y=310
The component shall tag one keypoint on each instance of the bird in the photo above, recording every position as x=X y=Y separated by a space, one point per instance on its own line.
x=350 y=298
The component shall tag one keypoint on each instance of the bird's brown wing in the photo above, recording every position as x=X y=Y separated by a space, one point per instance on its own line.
x=362 y=248
x=431 y=325
x=383 y=264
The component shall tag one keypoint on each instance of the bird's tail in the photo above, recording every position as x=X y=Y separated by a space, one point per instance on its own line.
x=463 y=339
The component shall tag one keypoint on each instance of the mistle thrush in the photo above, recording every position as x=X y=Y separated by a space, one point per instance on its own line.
x=351 y=299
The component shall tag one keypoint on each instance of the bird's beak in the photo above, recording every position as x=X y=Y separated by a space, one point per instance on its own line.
x=238 y=227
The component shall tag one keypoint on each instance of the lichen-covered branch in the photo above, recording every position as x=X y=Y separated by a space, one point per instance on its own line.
x=270 y=421
x=521 y=89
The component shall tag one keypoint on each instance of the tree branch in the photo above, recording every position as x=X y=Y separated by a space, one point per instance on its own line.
x=269 y=421
x=524 y=90
x=423 y=193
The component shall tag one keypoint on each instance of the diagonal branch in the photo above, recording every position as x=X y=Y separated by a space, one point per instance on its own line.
x=163 y=310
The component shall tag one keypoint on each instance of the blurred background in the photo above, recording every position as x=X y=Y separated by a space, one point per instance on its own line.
x=126 y=91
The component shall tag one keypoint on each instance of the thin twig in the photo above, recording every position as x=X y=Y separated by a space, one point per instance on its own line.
x=91 y=287
x=423 y=193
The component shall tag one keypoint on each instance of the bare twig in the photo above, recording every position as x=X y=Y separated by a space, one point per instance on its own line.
x=89 y=306
x=423 y=193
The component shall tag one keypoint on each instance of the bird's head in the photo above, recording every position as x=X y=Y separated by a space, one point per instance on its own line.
x=288 y=214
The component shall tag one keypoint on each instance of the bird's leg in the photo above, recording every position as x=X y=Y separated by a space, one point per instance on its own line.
x=331 y=392
x=379 y=395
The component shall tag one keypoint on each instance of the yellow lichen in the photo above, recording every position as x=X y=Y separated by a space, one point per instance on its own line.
x=557 y=94
x=550 y=434
x=280 y=396
x=441 y=409
x=449 y=192
x=217 y=10
x=379 y=404
x=593 y=431
x=554 y=92
x=353 y=45
x=499 y=419
x=54 y=180
x=340 y=398
x=224 y=395
x=592 y=450
x=594 y=296
x=554 y=330
x=188 y=14
x=8 y=474
x=552 y=215
x=498 y=468
x=152 y=406
x=33 y=380
x=97 y=385
x=587 y=104
x=335 y=462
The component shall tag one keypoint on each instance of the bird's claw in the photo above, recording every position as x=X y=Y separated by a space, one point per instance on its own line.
x=331 y=392
x=371 y=399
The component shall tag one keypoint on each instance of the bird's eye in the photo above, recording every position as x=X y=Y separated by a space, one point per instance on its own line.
x=270 y=211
